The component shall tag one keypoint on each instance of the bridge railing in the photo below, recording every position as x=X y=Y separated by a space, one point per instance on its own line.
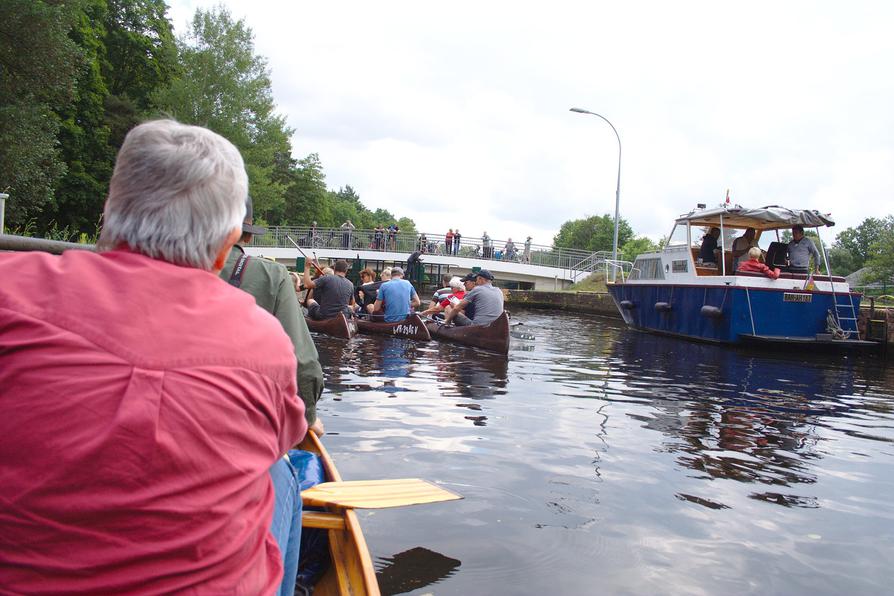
x=311 y=239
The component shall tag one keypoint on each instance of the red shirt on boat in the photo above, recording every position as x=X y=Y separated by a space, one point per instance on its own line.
x=141 y=406
x=755 y=266
x=453 y=298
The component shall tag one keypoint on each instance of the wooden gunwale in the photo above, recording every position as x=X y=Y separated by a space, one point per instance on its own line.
x=413 y=327
x=352 y=572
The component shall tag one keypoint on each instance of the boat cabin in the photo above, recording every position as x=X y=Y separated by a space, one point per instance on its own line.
x=679 y=261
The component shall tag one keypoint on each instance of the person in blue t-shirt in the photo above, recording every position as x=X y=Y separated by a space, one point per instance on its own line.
x=398 y=296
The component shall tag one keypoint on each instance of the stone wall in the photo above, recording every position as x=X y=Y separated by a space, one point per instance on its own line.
x=590 y=302
x=877 y=326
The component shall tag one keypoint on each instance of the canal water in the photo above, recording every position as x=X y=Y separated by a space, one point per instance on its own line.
x=598 y=460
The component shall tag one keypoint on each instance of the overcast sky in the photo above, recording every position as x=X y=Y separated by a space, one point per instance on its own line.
x=456 y=114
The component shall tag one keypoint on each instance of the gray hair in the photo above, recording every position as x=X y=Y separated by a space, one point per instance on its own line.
x=456 y=282
x=177 y=193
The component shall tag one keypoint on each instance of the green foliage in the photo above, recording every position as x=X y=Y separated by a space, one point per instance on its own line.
x=83 y=134
x=224 y=86
x=881 y=253
x=593 y=233
x=595 y=282
x=859 y=241
x=636 y=246
x=141 y=50
x=38 y=70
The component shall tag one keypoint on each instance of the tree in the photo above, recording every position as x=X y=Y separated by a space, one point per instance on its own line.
x=224 y=86
x=38 y=70
x=83 y=134
x=593 y=233
x=881 y=253
x=141 y=50
x=636 y=246
x=860 y=240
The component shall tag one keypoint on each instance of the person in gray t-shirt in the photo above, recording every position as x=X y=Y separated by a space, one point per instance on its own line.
x=332 y=293
x=486 y=299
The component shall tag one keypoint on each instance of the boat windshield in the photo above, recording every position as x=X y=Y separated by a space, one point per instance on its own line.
x=679 y=235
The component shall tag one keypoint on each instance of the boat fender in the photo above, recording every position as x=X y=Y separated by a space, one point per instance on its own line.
x=714 y=312
x=663 y=306
x=627 y=304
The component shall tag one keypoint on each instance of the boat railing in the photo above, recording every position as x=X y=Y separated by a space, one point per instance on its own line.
x=614 y=268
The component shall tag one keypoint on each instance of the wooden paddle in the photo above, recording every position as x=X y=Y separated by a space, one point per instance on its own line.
x=376 y=494
x=312 y=261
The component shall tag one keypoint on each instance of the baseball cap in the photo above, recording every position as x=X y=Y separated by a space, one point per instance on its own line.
x=485 y=274
x=247 y=223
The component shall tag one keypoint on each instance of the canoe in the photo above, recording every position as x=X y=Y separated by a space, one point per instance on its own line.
x=493 y=337
x=351 y=570
x=413 y=327
x=338 y=326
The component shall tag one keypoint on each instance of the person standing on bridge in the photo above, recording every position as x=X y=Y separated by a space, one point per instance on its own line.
x=457 y=238
x=448 y=242
x=526 y=257
x=347 y=230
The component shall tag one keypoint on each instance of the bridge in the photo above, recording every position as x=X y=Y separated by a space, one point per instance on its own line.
x=529 y=267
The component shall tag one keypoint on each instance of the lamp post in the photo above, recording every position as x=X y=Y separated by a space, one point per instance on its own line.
x=617 y=189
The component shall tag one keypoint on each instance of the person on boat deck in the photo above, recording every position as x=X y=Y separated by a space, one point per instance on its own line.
x=333 y=294
x=800 y=249
x=754 y=264
x=145 y=405
x=274 y=290
x=708 y=251
x=485 y=297
x=396 y=297
x=367 y=291
x=742 y=245
x=456 y=294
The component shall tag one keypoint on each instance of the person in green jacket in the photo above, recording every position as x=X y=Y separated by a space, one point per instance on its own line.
x=274 y=291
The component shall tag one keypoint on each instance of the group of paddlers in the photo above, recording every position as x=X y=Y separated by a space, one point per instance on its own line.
x=469 y=300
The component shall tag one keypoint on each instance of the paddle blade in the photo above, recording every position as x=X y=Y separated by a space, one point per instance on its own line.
x=376 y=494
x=522 y=335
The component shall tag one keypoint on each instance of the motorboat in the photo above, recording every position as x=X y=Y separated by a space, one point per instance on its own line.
x=671 y=291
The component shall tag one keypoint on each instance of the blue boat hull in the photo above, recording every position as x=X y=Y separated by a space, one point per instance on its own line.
x=731 y=315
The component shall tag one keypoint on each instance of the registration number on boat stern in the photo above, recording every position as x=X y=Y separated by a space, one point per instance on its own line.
x=793 y=297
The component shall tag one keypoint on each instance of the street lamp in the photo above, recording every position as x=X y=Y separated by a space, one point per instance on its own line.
x=617 y=190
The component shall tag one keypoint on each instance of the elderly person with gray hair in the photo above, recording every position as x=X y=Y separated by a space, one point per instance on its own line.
x=144 y=403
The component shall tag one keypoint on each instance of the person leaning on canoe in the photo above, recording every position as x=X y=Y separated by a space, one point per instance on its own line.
x=396 y=298
x=333 y=294
x=145 y=405
x=485 y=297
x=457 y=293
x=275 y=292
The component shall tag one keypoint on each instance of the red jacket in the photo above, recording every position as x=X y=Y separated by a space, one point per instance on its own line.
x=758 y=267
x=141 y=406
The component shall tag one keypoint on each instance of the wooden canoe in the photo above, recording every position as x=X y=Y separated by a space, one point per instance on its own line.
x=493 y=337
x=351 y=571
x=413 y=327
x=338 y=326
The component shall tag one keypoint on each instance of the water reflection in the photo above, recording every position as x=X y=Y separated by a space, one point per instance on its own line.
x=412 y=569
x=730 y=415
x=653 y=461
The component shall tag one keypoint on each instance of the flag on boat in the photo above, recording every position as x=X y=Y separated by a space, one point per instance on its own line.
x=809 y=284
x=727 y=196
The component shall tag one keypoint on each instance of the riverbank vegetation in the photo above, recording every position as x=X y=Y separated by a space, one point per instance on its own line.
x=75 y=76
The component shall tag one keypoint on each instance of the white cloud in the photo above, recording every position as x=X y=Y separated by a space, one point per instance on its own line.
x=457 y=114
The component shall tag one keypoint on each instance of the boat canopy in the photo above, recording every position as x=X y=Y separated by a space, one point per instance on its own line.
x=771 y=217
